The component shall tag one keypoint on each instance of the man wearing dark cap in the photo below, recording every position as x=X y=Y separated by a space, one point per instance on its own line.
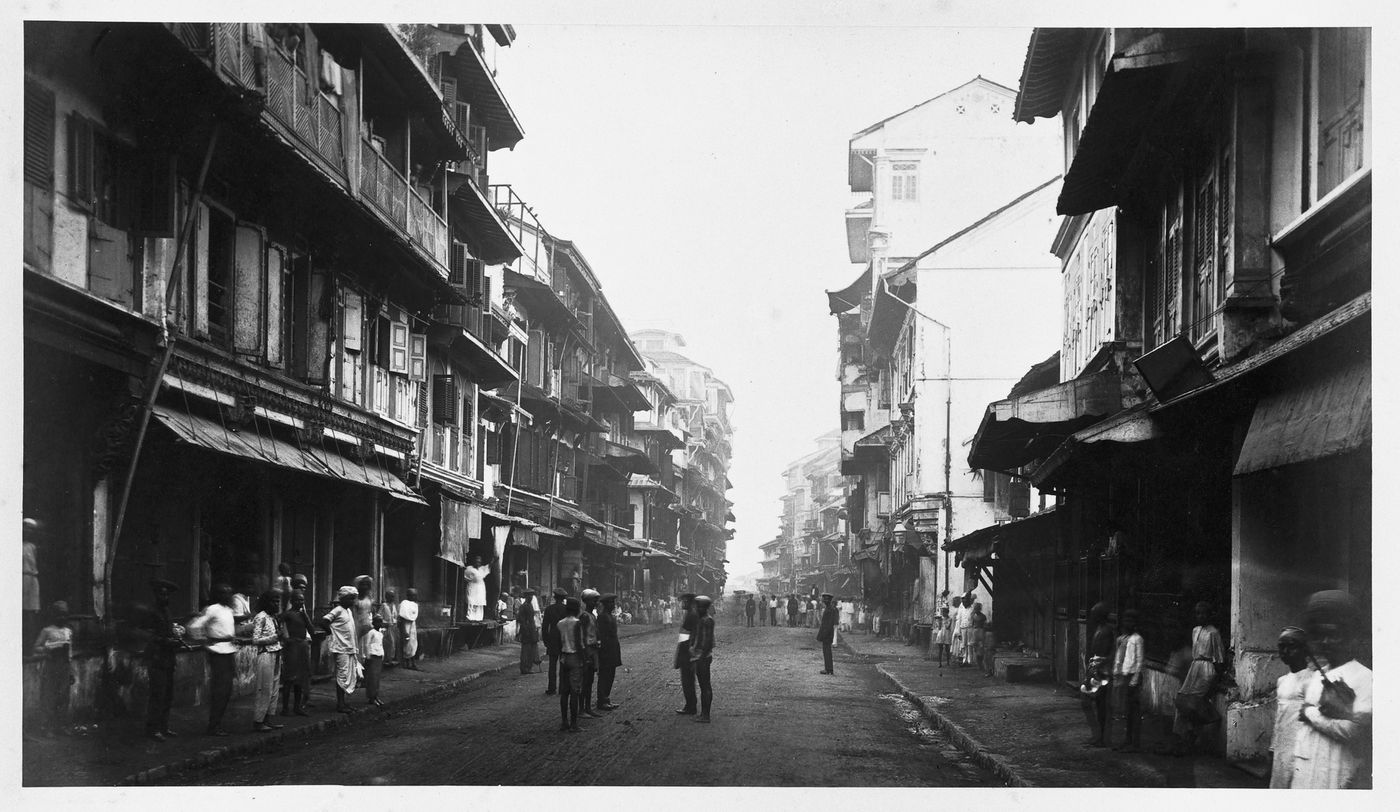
x=549 y=621
x=165 y=641
x=702 y=646
x=826 y=633
x=609 y=652
x=682 y=660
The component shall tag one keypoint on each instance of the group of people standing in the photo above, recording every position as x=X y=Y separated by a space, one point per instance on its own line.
x=1322 y=725
x=959 y=634
x=796 y=611
x=361 y=636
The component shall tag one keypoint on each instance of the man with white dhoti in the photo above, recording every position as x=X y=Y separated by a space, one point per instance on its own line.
x=340 y=622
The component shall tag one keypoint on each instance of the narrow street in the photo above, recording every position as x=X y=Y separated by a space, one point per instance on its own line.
x=777 y=722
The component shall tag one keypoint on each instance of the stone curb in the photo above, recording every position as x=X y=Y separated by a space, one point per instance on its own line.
x=974 y=749
x=214 y=755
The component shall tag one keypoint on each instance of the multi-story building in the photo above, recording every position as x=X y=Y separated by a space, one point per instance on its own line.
x=812 y=552
x=1209 y=436
x=701 y=469
x=248 y=339
x=955 y=204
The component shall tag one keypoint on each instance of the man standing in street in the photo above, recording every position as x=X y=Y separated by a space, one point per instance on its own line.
x=160 y=660
x=702 y=646
x=570 y=664
x=772 y=610
x=588 y=629
x=827 y=632
x=749 y=608
x=682 y=660
x=609 y=653
x=549 y=630
x=216 y=625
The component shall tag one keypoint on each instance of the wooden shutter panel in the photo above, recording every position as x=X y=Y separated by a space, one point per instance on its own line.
x=352 y=321
x=444 y=400
x=38 y=134
x=1019 y=501
x=80 y=184
x=200 y=272
x=493 y=447
x=418 y=356
x=475 y=273
x=989 y=486
x=464 y=118
x=449 y=91
x=422 y=405
x=318 y=320
x=248 y=276
x=276 y=273
x=398 y=347
x=534 y=358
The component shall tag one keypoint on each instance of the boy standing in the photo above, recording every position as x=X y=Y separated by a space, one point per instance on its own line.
x=702 y=646
x=374 y=659
x=55 y=643
x=570 y=666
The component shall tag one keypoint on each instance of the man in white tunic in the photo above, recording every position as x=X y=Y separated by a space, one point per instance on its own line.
x=475 y=575
x=1333 y=745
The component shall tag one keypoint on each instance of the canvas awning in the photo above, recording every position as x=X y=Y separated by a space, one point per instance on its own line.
x=460 y=522
x=976 y=548
x=264 y=448
x=1322 y=417
x=1017 y=431
x=849 y=297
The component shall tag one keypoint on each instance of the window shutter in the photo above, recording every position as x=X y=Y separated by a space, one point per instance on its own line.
x=38 y=134
x=464 y=118
x=475 y=274
x=457 y=269
x=444 y=400
x=534 y=358
x=80 y=186
x=248 y=275
x=1019 y=501
x=989 y=486
x=398 y=347
x=449 y=91
x=422 y=405
x=493 y=447
x=276 y=273
x=200 y=271
x=418 y=356
x=352 y=322
x=318 y=319
x=1224 y=221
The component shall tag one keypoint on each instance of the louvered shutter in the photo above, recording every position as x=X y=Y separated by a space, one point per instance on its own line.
x=80 y=185
x=422 y=404
x=457 y=269
x=352 y=321
x=38 y=134
x=534 y=358
x=200 y=271
x=418 y=356
x=1225 y=216
x=464 y=118
x=449 y=91
x=444 y=400
x=276 y=270
x=475 y=274
x=1019 y=499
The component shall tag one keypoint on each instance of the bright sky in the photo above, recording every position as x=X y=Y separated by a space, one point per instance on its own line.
x=702 y=172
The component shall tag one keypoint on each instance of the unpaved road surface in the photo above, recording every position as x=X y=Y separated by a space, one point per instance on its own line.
x=777 y=722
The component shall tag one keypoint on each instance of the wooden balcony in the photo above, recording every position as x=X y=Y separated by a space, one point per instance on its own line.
x=388 y=192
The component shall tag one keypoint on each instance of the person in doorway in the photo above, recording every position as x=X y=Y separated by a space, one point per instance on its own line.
x=296 y=655
x=570 y=665
x=588 y=626
x=268 y=635
x=29 y=560
x=750 y=607
x=609 y=652
x=1127 y=680
x=1333 y=745
x=1097 y=674
x=408 y=628
x=979 y=637
x=217 y=629
x=550 y=632
x=943 y=636
x=344 y=646
x=54 y=643
x=701 y=654
x=1293 y=653
x=374 y=660
x=475 y=575
x=682 y=660
x=1195 y=709
x=527 y=631
x=163 y=643
x=826 y=634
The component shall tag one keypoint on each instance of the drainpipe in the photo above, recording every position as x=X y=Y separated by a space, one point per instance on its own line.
x=154 y=386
